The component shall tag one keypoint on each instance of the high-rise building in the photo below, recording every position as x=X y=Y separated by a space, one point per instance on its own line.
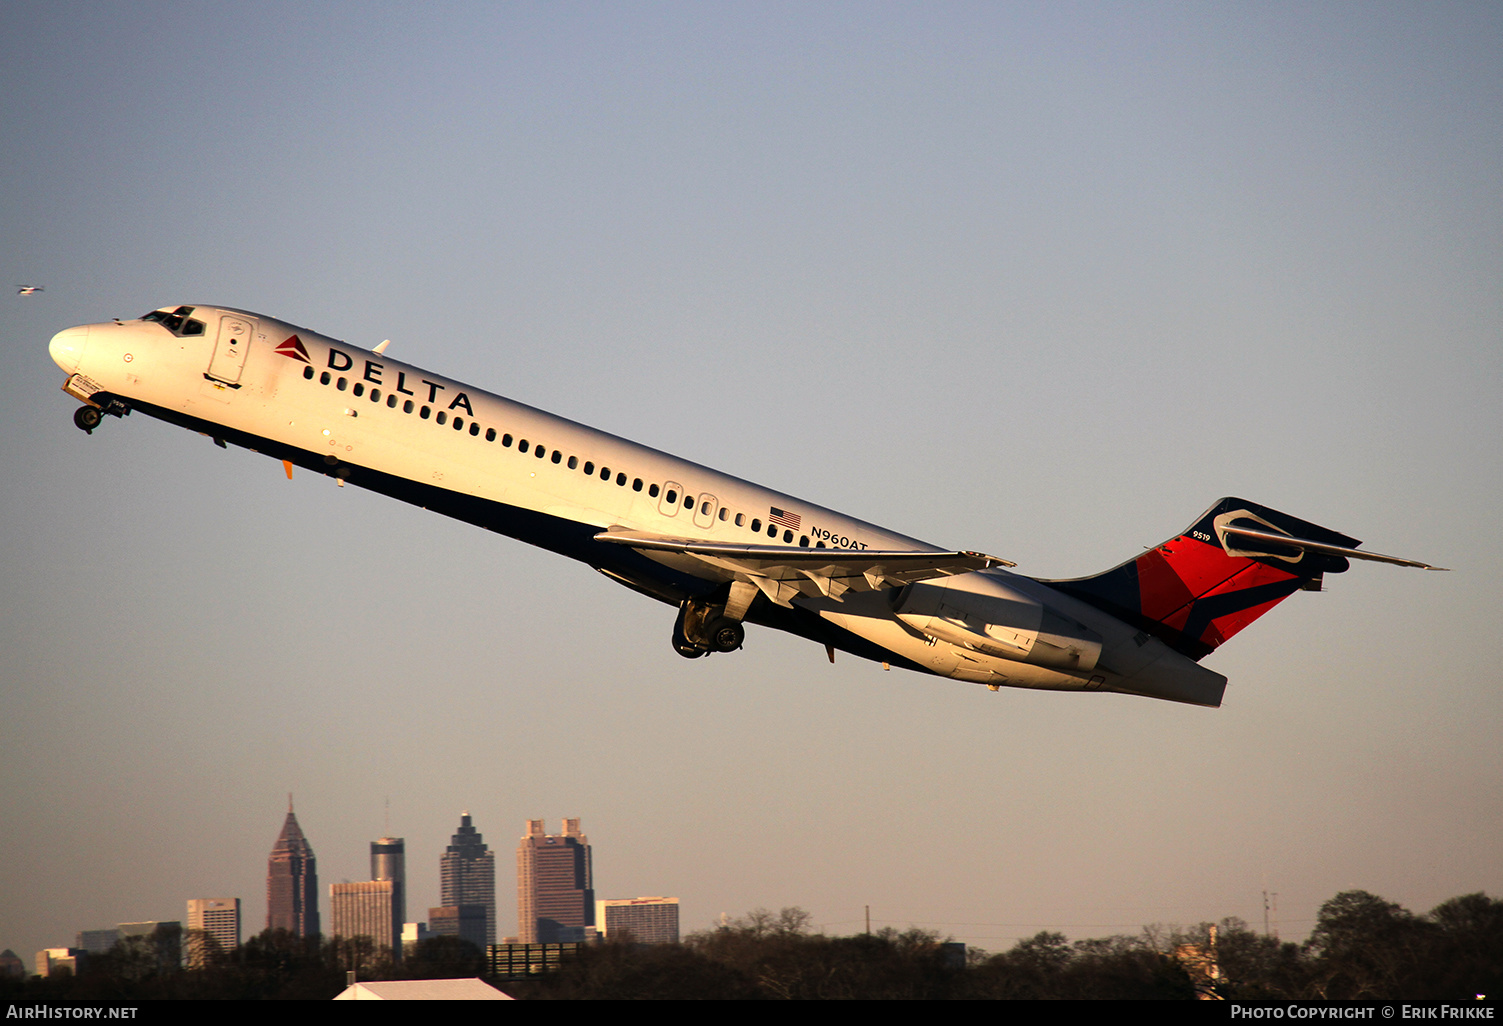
x=11 y=966
x=389 y=862
x=367 y=909
x=413 y=934
x=467 y=922
x=97 y=942
x=292 y=881
x=647 y=920
x=60 y=961
x=555 y=885
x=218 y=918
x=162 y=940
x=467 y=876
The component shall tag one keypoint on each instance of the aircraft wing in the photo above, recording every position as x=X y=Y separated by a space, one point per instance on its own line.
x=782 y=573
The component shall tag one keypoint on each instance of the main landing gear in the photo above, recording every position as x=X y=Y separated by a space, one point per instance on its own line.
x=702 y=628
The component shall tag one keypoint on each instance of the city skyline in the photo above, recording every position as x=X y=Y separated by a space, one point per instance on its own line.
x=1040 y=281
x=554 y=873
x=292 y=871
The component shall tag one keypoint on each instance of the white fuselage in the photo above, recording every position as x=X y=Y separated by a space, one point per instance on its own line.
x=373 y=421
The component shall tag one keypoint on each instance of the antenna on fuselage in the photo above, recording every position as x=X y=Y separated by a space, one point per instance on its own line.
x=382 y=347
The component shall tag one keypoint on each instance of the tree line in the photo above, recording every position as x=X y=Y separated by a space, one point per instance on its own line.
x=1362 y=947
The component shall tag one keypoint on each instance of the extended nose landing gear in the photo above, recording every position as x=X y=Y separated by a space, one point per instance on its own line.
x=702 y=628
x=87 y=418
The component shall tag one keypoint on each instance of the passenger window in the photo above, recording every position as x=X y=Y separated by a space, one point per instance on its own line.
x=540 y=452
x=803 y=541
x=359 y=389
x=458 y=423
x=672 y=496
x=324 y=378
x=772 y=530
x=375 y=395
x=740 y=519
x=605 y=473
x=490 y=434
x=307 y=373
x=756 y=525
x=621 y=480
x=724 y=512
x=589 y=468
x=407 y=406
x=391 y=401
x=475 y=430
x=425 y=413
x=522 y=445
x=787 y=536
x=557 y=456
x=653 y=490
x=573 y=462
x=506 y=441
x=341 y=384
x=442 y=416
x=636 y=485
x=704 y=509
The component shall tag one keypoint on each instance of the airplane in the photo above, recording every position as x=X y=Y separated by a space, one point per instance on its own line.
x=725 y=552
x=29 y=290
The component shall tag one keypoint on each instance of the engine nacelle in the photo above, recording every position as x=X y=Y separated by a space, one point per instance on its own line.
x=986 y=615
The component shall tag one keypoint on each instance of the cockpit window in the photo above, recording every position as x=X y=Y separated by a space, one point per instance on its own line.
x=178 y=322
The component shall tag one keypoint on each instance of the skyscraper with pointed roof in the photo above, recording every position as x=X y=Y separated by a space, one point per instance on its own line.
x=467 y=874
x=292 y=881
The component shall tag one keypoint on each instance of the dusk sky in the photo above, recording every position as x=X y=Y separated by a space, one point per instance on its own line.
x=1043 y=280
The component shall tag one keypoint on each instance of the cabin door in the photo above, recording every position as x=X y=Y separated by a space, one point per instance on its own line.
x=230 y=348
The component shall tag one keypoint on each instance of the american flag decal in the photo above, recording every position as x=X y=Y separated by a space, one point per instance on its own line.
x=783 y=518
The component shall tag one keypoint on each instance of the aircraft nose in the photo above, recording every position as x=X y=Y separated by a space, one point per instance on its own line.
x=67 y=347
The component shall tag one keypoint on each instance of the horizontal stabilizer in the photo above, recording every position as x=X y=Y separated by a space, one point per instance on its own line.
x=1286 y=542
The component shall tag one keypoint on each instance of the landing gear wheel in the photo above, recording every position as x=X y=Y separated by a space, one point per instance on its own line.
x=726 y=635
x=87 y=418
x=701 y=628
x=681 y=643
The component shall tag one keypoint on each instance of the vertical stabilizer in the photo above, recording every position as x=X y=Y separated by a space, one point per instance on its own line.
x=1205 y=584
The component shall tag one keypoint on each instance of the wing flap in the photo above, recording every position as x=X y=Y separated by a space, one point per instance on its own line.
x=783 y=573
